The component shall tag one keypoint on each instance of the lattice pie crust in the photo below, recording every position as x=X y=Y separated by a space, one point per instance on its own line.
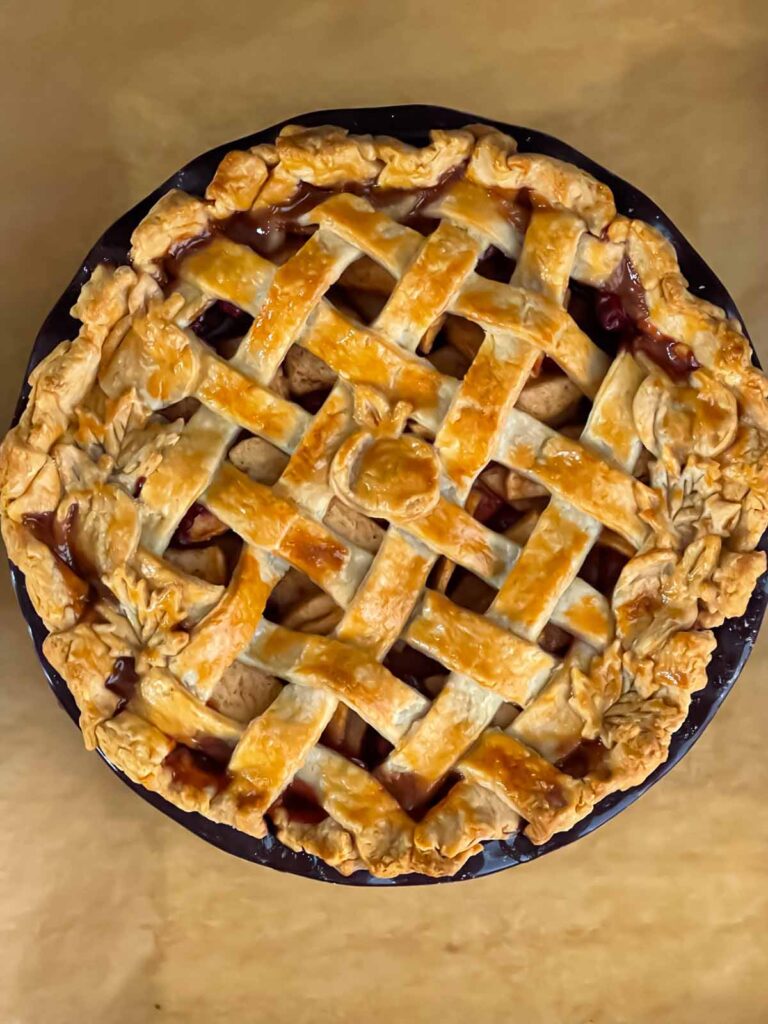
x=440 y=384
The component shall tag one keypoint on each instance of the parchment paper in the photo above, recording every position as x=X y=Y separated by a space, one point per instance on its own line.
x=111 y=913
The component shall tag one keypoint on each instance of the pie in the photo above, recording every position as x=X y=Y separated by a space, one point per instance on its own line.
x=387 y=497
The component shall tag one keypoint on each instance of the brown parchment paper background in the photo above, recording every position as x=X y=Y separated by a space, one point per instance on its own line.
x=111 y=913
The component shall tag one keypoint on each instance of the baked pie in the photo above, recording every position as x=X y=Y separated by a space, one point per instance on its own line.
x=388 y=496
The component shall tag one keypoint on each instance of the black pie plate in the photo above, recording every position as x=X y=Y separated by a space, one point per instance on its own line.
x=735 y=638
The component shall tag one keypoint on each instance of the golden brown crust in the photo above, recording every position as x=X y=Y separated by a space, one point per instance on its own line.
x=81 y=657
x=58 y=595
x=174 y=219
x=495 y=163
x=218 y=709
x=236 y=183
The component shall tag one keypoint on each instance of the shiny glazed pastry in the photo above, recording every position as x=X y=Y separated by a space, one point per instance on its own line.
x=388 y=498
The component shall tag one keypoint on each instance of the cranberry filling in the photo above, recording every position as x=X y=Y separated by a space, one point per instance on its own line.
x=622 y=311
x=625 y=285
x=374 y=749
x=588 y=758
x=194 y=768
x=412 y=666
x=261 y=229
x=517 y=207
x=584 y=307
x=199 y=524
x=215 y=749
x=177 y=253
x=494 y=265
x=55 y=534
x=220 y=325
x=617 y=317
x=677 y=360
x=611 y=313
x=301 y=804
x=122 y=680
x=602 y=568
x=555 y=640
x=424 y=196
x=312 y=401
x=439 y=793
x=469 y=591
x=264 y=230
x=488 y=506
x=492 y=510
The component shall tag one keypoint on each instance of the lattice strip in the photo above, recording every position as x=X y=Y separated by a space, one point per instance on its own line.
x=430 y=284
x=295 y=721
x=533 y=787
x=235 y=397
x=549 y=253
x=360 y=356
x=492 y=385
x=470 y=432
x=182 y=476
x=222 y=269
x=571 y=471
x=548 y=725
x=471 y=643
x=585 y=613
x=216 y=641
x=451 y=531
x=480 y=212
x=295 y=291
x=353 y=798
x=386 y=703
x=272 y=748
x=563 y=534
x=168 y=705
x=496 y=307
x=305 y=478
x=267 y=521
x=376 y=616
x=464 y=708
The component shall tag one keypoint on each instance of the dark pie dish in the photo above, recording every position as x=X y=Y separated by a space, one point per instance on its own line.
x=606 y=317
